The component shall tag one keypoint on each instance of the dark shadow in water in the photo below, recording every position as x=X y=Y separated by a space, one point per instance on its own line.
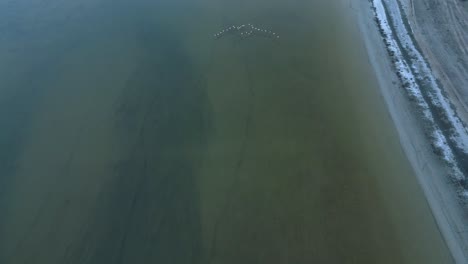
x=18 y=105
x=149 y=210
x=21 y=98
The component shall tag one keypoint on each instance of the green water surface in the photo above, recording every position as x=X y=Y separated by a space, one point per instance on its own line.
x=130 y=135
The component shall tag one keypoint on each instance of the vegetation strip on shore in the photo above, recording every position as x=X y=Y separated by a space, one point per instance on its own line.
x=447 y=133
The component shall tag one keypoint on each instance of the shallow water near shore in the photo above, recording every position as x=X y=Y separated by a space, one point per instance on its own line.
x=132 y=135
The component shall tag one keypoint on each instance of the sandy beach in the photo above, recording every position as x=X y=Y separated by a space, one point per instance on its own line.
x=433 y=174
x=441 y=30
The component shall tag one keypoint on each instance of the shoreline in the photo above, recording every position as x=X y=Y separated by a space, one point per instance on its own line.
x=433 y=172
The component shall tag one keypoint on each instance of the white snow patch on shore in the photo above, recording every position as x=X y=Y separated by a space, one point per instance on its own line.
x=423 y=74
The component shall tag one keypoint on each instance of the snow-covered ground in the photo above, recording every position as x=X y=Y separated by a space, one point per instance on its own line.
x=431 y=133
x=448 y=133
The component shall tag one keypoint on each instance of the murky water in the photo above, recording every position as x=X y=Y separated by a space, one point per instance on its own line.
x=131 y=135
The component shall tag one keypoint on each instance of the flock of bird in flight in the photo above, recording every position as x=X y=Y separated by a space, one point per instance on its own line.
x=245 y=31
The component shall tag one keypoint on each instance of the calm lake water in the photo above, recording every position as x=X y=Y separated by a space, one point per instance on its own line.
x=129 y=134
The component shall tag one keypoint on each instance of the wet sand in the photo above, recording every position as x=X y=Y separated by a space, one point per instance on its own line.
x=143 y=139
